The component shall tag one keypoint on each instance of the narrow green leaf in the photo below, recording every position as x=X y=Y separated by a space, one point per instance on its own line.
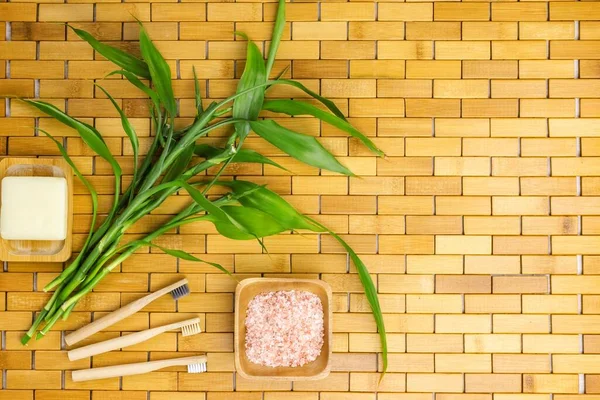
x=302 y=147
x=242 y=155
x=138 y=84
x=117 y=56
x=159 y=71
x=93 y=195
x=249 y=105
x=131 y=134
x=239 y=223
x=293 y=107
x=282 y=72
x=179 y=165
x=370 y=291
x=325 y=101
x=88 y=134
x=186 y=256
x=197 y=95
x=251 y=195
x=210 y=207
x=276 y=35
x=259 y=223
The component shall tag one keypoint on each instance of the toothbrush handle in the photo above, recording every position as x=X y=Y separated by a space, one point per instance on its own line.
x=108 y=320
x=114 y=344
x=118 y=315
x=132 y=369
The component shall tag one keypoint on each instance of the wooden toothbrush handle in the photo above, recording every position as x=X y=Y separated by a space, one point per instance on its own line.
x=118 y=315
x=132 y=369
x=108 y=320
x=114 y=344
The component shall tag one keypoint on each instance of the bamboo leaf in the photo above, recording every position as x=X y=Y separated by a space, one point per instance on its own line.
x=117 y=56
x=325 y=101
x=276 y=36
x=186 y=256
x=88 y=134
x=293 y=107
x=248 y=106
x=242 y=155
x=239 y=223
x=211 y=208
x=159 y=72
x=138 y=84
x=180 y=164
x=131 y=134
x=197 y=95
x=249 y=194
x=94 y=197
x=259 y=223
x=302 y=147
x=370 y=291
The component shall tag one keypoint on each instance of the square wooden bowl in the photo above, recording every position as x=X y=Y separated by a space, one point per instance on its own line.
x=39 y=250
x=244 y=293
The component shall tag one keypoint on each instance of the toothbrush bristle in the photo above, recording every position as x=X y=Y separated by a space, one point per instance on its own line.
x=180 y=291
x=191 y=329
x=196 y=368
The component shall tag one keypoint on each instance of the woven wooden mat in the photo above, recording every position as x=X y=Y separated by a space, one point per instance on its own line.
x=480 y=226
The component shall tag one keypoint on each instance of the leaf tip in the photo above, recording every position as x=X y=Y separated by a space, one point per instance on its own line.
x=241 y=34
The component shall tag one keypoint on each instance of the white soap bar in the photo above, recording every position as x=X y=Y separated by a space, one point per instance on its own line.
x=33 y=208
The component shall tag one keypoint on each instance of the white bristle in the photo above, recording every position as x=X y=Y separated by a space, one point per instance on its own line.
x=180 y=291
x=196 y=368
x=190 y=329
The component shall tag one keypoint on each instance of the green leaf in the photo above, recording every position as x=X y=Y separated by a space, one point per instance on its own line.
x=93 y=195
x=197 y=95
x=159 y=71
x=249 y=194
x=326 y=102
x=88 y=134
x=276 y=35
x=253 y=220
x=370 y=291
x=239 y=223
x=293 y=107
x=131 y=134
x=249 y=105
x=180 y=164
x=302 y=147
x=138 y=84
x=242 y=155
x=117 y=56
x=186 y=256
x=211 y=208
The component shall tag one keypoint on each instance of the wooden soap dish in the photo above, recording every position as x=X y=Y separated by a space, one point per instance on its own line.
x=39 y=250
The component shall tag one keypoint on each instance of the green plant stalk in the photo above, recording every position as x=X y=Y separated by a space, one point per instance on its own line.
x=122 y=257
x=49 y=324
x=145 y=211
x=178 y=220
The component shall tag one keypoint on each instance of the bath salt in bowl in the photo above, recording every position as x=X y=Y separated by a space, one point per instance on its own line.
x=283 y=329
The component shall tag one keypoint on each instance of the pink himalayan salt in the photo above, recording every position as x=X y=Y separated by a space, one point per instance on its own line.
x=284 y=329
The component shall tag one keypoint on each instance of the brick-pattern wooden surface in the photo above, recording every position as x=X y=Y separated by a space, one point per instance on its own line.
x=480 y=226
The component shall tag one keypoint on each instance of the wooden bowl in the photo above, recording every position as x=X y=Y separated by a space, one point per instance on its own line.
x=39 y=250
x=246 y=291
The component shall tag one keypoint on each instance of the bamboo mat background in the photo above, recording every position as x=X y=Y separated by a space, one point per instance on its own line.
x=480 y=227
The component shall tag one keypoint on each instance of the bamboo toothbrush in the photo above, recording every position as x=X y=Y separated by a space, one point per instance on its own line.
x=188 y=327
x=195 y=365
x=178 y=290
